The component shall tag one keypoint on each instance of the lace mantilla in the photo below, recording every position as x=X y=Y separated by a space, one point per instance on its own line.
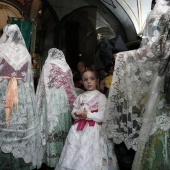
x=20 y=134
x=136 y=72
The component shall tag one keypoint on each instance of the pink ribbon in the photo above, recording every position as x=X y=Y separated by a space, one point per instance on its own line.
x=82 y=123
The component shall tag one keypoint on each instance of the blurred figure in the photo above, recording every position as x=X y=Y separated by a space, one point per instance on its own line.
x=81 y=67
x=108 y=80
x=102 y=75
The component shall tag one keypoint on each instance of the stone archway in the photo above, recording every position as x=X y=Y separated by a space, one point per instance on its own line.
x=7 y=10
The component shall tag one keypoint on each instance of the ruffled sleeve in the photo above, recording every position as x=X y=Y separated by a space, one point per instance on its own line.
x=98 y=116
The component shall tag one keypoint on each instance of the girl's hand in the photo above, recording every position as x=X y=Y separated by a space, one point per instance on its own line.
x=78 y=113
x=81 y=113
x=84 y=114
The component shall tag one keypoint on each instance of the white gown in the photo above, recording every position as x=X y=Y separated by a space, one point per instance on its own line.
x=84 y=148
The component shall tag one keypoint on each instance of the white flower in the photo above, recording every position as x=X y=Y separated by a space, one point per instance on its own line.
x=130 y=109
x=155 y=23
x=144 y=59
x=1 y=66
x=129 y=124
x=161 y=105
x=156 y=33
x=122 y=124
x=13 y=74
x=148 y=73
x=145 y=120
x=163 y=122
x=23 y=73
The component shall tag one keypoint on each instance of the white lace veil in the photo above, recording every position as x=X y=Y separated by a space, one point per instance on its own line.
x=3 y=37
x=56 y=74
x=161 y=7
x=159 y=18
x=22 y=137
x=13 y=46
x=136 y=85
x=57 y=57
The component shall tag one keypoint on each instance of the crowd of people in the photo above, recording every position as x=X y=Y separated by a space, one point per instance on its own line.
x=70 y=129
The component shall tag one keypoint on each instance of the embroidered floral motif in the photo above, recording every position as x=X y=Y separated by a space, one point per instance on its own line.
x=134 y=73
x=58 y=78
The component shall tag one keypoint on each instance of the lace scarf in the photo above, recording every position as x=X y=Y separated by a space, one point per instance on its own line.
x=137 y=82
x=22 y=136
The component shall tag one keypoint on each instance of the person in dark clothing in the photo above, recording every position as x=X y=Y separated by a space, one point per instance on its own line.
x=81 y=67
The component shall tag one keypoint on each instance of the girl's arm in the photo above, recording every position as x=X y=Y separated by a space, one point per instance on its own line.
x=76 y=107
x=98 y=116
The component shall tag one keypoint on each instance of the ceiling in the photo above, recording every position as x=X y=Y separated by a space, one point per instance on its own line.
x=6 y=11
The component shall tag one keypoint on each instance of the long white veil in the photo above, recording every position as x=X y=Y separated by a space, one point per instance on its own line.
x=137 y=82
x=20 y=136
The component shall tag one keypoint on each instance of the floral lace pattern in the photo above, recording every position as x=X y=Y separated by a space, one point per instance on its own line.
x=135 y=75
x=58 y=78
x=21 y=138
x=55 y=97
x=20 y=133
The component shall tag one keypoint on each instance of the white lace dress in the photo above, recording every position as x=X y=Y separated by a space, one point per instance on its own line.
x=85 y=149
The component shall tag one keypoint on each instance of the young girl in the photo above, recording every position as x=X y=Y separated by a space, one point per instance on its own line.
x=84 y=148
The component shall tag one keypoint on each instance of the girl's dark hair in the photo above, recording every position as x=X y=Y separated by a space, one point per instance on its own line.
x=91 y=70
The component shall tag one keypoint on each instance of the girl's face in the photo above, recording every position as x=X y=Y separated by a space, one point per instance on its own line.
x=89 y=80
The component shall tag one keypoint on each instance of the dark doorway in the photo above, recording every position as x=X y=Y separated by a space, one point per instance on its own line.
x=77 y=36
x=72 y=42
